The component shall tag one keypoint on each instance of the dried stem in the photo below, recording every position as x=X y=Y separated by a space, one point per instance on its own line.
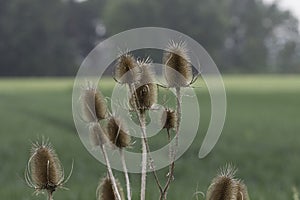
x=173 y=151
x=110 y=173
x=50 y=195
x=144 y=156
x=145 y=147
x=126 y=175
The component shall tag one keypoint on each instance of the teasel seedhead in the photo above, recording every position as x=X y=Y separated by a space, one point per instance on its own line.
x=242 y=193
x=93 y=104
x=126 y=70
x=224 y=186
x=169 y=119
x=117 y=133
x=178 y=70
x=145 y=94
x=105 y=190
x=97 y=134
x=44 y=170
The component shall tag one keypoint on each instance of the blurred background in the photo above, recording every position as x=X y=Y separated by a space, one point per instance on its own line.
x=255 y=44
x=51 y=37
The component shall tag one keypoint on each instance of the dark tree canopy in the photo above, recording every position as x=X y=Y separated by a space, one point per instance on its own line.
x=51 y=37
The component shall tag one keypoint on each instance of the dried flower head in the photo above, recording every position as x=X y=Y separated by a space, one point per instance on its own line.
x=242 y=193
x=44 y=170
x=93 y=104
x=126 y=70
x=97 y=134
x=145 y=95
x=169 y=119
x=105 y=190
x=117 y=133
x=224 y=186
x=178 y=70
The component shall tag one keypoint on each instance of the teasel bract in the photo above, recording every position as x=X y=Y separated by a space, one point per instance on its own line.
x=144 y=93
x=126 y=70
x=93 y=104
x=105 y=190
x=44 y=170
x=178 y=70
x=224 y=186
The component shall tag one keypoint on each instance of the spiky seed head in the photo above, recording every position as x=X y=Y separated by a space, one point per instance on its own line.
x=169 y=119
x=117 y=133
x=97 y=135
x=126 y=70
x=178 y=70
x=105 y=190
x=224 y=186
x=145 y=95
x=242 y=193
x=45 y=168
x=93 y=104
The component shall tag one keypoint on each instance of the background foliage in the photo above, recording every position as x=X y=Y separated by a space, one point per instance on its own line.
x=51 y=37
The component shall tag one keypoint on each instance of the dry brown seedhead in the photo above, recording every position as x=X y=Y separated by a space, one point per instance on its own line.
x=145 y=93
x=44 y=169
x=242 y=191
x=105 y=190
x=126 y=70
x=117 y=133
x=97 y=134
x=93 y=104
x=169 y=119
x=224 y=186
x=178 y=70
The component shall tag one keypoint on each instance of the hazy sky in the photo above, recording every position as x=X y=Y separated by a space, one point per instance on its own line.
x=292 y=5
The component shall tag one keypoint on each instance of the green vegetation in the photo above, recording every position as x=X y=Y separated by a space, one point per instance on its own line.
x=261 y=137
x=51 y=37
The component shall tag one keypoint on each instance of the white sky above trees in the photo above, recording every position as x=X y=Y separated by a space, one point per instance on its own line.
x=292 y=5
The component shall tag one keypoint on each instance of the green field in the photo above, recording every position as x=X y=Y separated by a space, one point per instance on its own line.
x=261 y=137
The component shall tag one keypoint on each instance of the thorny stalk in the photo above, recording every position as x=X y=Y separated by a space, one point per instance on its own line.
x=173 y=151
x=126 y=175
x=145 y=147
x=110 y=173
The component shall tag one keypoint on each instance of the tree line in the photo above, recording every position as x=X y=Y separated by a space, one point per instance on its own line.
x=51 y=37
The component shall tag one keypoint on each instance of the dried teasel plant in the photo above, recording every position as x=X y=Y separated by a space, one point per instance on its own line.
x=178 y=70
x=224 y=186
x=144 y=93
x=44 y=170
x=98 y=138
x=126 y=70
x=97 y=135
x=117 y=133
x=169 y=119
x=105 y=190
x=93 y=104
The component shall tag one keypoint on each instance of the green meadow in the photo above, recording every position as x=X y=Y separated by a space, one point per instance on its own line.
x=261 y=137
